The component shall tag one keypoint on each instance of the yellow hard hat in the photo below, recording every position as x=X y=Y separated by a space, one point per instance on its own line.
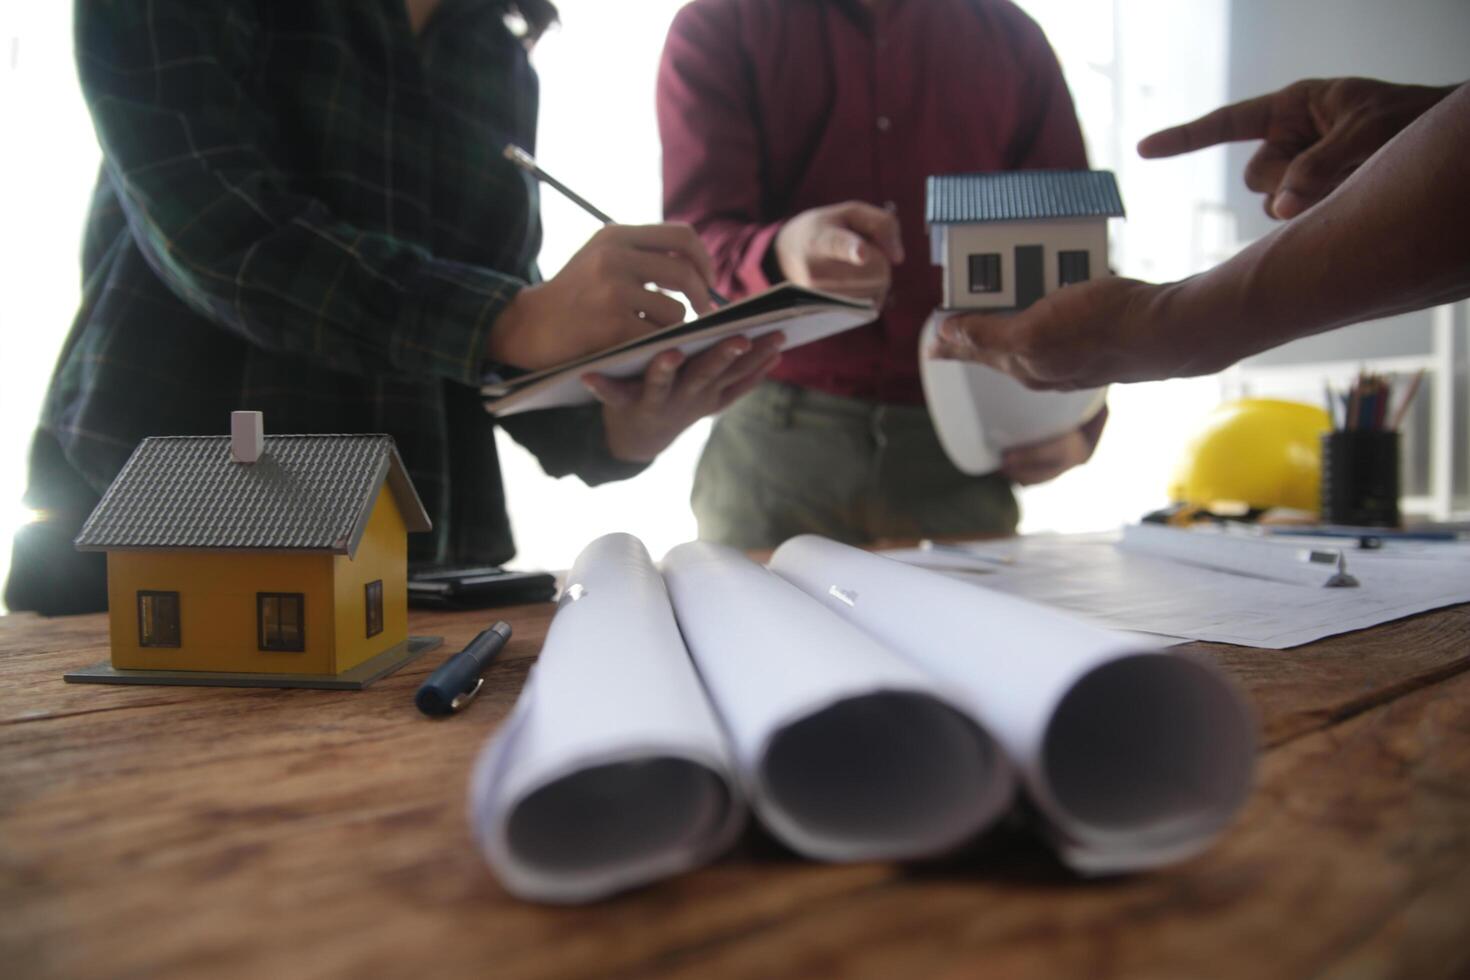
x=1255 y=452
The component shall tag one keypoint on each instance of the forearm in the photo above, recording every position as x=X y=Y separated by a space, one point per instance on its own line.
x=356 y=302
x=712 y=167
x=1394 y=237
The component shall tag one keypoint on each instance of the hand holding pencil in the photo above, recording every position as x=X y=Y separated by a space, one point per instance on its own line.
x=601 y=294
x=528 y=163
x=599 y=298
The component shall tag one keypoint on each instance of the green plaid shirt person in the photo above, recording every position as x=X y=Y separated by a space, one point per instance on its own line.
x=302 y=210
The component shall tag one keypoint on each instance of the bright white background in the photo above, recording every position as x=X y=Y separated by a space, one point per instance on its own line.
x=598 y=134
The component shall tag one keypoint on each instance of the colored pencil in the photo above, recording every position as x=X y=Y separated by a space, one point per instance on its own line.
x=1403 y=409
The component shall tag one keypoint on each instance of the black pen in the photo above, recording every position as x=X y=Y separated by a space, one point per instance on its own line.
x=458 y=679
x=526 y=162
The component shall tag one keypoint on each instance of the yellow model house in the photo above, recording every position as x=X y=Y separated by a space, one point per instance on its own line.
x=248 y=560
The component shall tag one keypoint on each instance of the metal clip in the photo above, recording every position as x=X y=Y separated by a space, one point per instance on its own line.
x=462 y=699
x=1341 y=579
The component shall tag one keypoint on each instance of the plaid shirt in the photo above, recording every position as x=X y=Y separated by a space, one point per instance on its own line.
x=303 y=210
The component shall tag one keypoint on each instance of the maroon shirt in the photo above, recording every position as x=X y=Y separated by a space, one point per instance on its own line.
x=770 y=107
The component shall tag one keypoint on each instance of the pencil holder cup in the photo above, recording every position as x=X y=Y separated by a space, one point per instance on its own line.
x=1360 y=478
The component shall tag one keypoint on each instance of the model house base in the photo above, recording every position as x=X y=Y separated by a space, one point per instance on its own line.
x=355 y=679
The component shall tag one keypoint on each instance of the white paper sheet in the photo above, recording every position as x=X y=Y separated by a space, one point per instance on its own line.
x=847 y=751
x=612 y=770
x=1086 y=574
x=980 y=412
x=1235 y=555
x=1133 y=758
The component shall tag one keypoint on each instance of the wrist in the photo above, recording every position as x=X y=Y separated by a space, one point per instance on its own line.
x=1217 y=317
x=1191 y=317
x=1276 y=290
x=624 y=442
x=513 y=338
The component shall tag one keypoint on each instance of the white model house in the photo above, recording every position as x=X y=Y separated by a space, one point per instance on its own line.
x=1007 y=239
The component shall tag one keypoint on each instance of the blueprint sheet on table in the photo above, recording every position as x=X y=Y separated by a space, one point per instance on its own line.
x=1088 y=575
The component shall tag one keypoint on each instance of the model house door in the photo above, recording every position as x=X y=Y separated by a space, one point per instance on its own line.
x=1028 y=275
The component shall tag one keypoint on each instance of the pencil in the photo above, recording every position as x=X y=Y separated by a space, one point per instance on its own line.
x=1403 y=409
x=528 y=163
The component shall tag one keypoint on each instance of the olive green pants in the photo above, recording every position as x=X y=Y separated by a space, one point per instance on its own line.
x=785 y=460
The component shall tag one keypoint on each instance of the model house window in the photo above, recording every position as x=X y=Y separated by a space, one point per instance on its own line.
x=158 y=619
x=985 y=273
x=374 y=592
x=281 y=618
x=1071 y=267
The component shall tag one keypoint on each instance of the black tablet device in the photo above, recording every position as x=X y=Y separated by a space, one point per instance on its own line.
x=477 y=587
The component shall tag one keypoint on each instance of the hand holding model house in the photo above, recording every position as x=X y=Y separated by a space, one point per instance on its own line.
x=1377 y=203
x=1008 y=242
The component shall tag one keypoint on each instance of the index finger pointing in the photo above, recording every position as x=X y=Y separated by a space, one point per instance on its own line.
x=1228 y=124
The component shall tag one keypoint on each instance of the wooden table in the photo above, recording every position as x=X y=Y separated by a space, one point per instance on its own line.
x=191 y=832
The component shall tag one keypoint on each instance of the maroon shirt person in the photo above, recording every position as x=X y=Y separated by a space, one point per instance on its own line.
x=797 y=137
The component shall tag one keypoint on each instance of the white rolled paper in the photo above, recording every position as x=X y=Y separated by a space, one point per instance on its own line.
x=612 y=770
x=1133 y=757
x=847 y=751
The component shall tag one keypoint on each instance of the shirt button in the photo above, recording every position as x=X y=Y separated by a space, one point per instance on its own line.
x=883 y=124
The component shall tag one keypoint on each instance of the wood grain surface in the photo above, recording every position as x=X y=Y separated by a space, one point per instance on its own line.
x=187 y=832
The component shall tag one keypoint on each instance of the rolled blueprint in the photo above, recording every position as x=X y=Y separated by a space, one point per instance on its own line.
x=1133 y=757
x=847 y=751
x=612 y=770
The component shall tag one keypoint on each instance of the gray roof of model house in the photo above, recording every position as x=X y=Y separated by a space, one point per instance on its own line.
x=1022 y=195
x=305 y=493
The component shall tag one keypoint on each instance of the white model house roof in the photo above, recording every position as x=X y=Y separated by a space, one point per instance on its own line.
x=1022 y=195
x=304 y=493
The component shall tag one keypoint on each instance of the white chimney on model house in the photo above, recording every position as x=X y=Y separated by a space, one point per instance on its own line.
x=247 y=436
